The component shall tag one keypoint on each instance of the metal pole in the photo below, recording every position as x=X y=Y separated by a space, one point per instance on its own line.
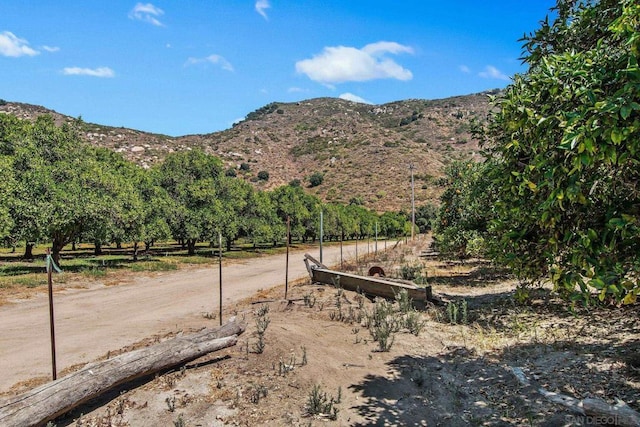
x=356 y=250
x=376 y=241
x=341 y=259
x=286 y=270
x=321 y=232
x=51 y=321
x=413 y=203
x=220 y=273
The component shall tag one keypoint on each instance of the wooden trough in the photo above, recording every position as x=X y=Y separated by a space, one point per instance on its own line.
x=372 y=286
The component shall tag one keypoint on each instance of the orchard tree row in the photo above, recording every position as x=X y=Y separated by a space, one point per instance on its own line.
x=57 y=189
x=558 y=198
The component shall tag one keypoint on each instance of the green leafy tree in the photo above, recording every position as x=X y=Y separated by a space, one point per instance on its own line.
x=311 y=222
x=233 y=195
x=393 y=224
x=566 y=146
x=363 y=221
x=192 y=179
x=8 y=195
x=332 y=214
x=126 y=216
x=261 y=222
x=289 y=201
x=466 y=208
x=425 y=217
x=157 y=206
x=65 y=190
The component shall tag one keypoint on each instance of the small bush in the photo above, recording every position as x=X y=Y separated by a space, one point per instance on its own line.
x=316 y=179
x=263 y=176
x=319 y=404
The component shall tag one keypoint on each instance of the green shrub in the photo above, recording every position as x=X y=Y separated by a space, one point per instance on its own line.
x=316 y=179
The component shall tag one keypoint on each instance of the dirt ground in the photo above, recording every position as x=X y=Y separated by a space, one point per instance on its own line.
x=455 y=371
x=116 y=312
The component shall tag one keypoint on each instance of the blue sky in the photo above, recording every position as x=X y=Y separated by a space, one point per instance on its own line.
x=196 y=66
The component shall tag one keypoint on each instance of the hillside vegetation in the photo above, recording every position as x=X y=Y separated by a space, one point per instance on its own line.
x=362 y=151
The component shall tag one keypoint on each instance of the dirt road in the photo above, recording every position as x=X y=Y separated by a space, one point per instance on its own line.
x=91 y=322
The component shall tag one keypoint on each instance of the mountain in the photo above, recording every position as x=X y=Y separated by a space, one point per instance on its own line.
x=362 y=151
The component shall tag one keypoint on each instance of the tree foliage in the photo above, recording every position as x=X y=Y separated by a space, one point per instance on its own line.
x=58 y=189
x=316 y=179
x=465 y=210
x=566 y=144
x=64 y=188
x=192 y=179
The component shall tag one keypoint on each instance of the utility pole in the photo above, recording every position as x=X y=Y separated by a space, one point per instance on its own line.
x=321 y=232
x=413 y=203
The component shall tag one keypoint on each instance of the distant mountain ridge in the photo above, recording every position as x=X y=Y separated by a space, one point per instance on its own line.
x=362 y=151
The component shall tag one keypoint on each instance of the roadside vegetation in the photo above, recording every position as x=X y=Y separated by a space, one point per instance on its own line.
x=556 y=199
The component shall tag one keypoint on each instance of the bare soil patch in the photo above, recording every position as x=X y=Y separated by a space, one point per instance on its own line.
x=451 y=373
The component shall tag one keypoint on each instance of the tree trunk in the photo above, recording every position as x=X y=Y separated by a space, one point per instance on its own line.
x=53 y=399
x=119 y=244
x=147 y=246
x=97 y=248
x=135 y=250
x=28 y=251
x=73 y=246
x=56 y=248
x=191 y=246
x=229 y=242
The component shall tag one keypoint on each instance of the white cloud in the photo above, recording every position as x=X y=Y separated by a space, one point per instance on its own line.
x=296 y=90
x=491 y=72
x=13 y=46
x=348 y=64
x=93 y=72
x=465 y=69
x=213 y=59
x=261 y=8
x=51 y=48
x=354 y=98
x=147 y=12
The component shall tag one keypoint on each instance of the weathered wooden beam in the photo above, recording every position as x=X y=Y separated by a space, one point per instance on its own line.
x=53 y=399
x=369 y=285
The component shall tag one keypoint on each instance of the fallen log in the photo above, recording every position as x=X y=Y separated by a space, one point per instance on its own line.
x=619 y=414
x=55 y=398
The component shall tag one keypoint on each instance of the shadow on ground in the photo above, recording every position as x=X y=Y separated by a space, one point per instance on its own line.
x=459 y=389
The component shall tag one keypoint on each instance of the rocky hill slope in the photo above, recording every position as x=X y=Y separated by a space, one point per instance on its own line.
x=362 y=151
